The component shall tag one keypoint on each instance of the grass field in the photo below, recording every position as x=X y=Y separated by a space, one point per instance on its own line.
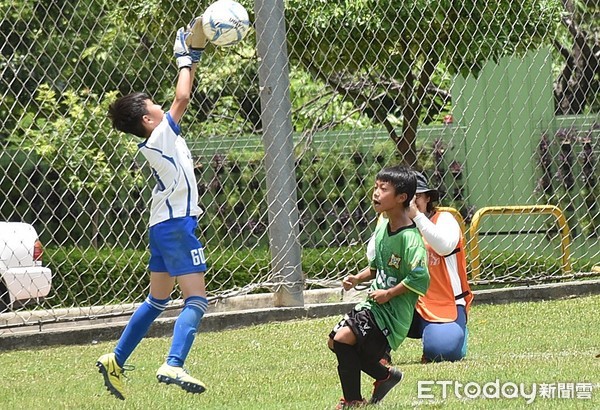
x=287 y=366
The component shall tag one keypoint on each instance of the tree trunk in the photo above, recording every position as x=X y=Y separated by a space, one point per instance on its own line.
x=406 y=146
x=576 y=82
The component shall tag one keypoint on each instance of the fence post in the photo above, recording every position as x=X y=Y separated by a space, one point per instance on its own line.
x=279 y=152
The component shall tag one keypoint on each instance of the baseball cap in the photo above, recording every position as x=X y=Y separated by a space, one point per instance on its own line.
x=423 y=187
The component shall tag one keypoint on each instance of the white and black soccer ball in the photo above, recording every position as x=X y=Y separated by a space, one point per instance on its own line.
x=225 y=23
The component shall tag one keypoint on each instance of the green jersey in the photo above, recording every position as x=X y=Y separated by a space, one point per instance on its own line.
x=400 y=257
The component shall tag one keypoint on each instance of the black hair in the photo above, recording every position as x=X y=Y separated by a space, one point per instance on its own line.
x=402 y=178
x=126 y=113
x=431 y=208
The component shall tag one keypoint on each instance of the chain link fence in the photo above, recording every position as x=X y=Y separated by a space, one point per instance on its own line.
x=497 y=102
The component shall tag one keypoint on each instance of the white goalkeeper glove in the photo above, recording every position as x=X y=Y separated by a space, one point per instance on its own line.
x=180 y=49
x=196 y=40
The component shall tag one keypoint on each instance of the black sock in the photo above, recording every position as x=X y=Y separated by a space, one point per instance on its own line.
x=348 y=370
x=374 y=369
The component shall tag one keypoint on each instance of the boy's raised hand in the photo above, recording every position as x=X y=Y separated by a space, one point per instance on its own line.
x=180 y=49
x=197 y=38
x=413 y=210
x=196 y=41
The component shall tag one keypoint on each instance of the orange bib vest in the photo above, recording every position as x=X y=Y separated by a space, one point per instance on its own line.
x=439 y=303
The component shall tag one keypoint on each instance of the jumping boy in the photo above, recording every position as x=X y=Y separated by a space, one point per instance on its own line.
x=398 y=266
x=176 y=254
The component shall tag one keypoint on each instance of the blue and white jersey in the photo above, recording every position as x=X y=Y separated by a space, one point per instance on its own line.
x=175 y=194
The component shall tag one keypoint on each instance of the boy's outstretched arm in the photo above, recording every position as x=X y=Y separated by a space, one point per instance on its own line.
x=188 y=48
x=185 y=79
x=183 y=92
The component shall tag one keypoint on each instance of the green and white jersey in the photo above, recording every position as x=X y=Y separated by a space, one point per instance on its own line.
x=400 y=257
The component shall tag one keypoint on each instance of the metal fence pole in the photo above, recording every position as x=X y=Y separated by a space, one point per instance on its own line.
x=279 y=152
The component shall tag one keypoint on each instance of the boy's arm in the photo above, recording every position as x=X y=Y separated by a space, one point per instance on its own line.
x=351 y=281
x=381 y=296
x=188 y=48
x=183 y=92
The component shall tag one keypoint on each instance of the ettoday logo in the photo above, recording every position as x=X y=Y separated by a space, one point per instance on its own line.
x=435 y=389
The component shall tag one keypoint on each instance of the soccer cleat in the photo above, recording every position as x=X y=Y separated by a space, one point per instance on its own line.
x=179 y=376
x=383 y=387
x=343 y=404
x=112 y=372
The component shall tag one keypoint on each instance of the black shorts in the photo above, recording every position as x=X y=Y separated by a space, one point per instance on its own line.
x=370 y=340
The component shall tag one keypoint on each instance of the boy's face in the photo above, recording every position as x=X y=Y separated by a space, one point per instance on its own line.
x=154 y=115
x=385 y=198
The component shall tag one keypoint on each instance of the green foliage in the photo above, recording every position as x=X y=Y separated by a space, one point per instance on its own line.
x=90 y=276
x=519 y=266
x=334 y=188
x=231 y=269
x=81 y=165
x=382 y=56
x=463 y=34
x=317 y=107
x=568 y=170
x=21 y=179
x=85 y=277
x=104 y=48
x=327 y=263
x=576 y=66
x=70 y=134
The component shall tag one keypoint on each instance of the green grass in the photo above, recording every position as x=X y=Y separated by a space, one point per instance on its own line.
x=287 y=366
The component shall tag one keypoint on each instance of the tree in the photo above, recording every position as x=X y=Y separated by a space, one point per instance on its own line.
x=87 y=164
x=88 y=44
x=383 y=55
x=577 y=88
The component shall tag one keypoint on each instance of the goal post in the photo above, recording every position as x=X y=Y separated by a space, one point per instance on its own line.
x=565 y=237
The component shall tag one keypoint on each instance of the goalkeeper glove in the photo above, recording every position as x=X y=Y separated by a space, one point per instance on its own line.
x=180 y=49
x=196 y=40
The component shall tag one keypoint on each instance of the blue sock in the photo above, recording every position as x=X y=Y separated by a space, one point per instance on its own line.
x=138 y=326
x=186 y=326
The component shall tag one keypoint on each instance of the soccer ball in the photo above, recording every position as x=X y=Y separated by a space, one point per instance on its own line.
x=225 y=23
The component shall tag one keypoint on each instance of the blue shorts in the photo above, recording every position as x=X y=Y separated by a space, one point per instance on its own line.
x=174 y=247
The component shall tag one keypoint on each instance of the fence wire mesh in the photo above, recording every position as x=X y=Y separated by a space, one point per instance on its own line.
x=497 y=102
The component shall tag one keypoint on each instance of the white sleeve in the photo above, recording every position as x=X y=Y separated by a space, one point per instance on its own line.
x=371 y=248
x=443 y=236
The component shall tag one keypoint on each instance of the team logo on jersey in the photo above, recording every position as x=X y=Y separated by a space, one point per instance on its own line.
x=395 y=261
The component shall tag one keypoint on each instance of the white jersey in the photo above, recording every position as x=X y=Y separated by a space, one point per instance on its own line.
x=175 y=194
